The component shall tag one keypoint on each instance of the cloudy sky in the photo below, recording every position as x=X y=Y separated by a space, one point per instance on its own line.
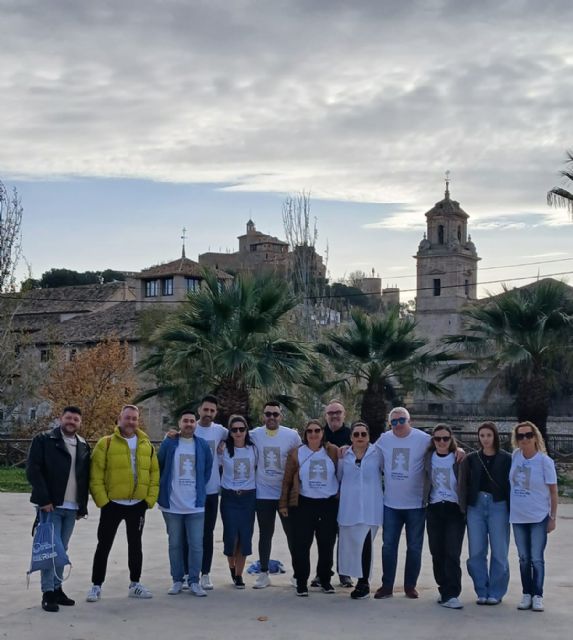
x=123 y=121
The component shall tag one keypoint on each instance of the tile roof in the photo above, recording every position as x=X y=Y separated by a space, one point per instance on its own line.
x=181 y=266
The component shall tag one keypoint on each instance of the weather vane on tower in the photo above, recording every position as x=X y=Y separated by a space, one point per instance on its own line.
x=183 y=238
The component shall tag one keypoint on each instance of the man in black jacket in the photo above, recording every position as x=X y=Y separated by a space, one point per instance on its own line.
x=58 y=470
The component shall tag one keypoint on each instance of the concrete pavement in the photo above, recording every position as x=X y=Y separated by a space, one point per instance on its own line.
x=274 y=612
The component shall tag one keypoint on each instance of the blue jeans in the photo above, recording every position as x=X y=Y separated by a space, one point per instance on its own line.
x=394 y=521
x=531 y=539
x=488 y=528
x=183 y=527
x=64 y=521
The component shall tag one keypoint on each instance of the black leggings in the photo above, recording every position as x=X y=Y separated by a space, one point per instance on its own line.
x=211 y=507
x=366 y=559
x=266 y=515
x=109 y=520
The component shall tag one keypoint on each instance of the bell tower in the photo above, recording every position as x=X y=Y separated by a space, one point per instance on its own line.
x=446 y=269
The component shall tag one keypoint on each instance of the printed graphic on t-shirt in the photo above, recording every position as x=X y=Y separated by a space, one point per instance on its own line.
x=241 y=469
x=441 y=481
x=521 y=481
x=317 y=474
x=272 y=460
x=400 y=463
x=186 y=469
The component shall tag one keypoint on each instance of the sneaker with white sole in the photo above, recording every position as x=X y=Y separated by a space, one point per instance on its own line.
x=94 y=594
x=481 y=600
x=137 y=590
x=176 y=587
x=452 y=603
x=263 y=581
x=195 y=589
x=206 y=582
x=537 y=603
x=525 y=602
x=492 y=601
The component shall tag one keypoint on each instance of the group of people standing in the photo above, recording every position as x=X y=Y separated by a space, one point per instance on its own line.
x=331 y=483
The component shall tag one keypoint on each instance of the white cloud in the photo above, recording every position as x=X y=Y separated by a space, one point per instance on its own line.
x=366 y=103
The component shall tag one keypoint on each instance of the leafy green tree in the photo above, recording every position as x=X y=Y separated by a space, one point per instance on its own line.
x=524 y=338
x=558 y=196
x=386 y=357
x=229 y=339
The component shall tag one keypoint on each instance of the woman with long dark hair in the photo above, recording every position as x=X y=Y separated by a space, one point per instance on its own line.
x=310 y=497
x=361 y=508
x=238 y=497
x=485 y=484
x=445 y=520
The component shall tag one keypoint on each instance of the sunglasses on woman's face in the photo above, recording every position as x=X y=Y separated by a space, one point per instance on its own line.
x=442 y=438
x=528 y=434
x=317 y=430
x=359 y=434
x=238 y=429
x=396 y=421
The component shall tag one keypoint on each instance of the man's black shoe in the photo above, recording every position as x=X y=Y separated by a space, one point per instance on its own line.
x=49 y=601
x=62 y=598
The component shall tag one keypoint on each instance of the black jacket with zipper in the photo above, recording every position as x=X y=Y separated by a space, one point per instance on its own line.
x=48 y=469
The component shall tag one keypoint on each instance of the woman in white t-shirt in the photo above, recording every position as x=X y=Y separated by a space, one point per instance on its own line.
x=238 y=497
x=310 y=498
x=361 y=508
x=533 y=509
x=445 y=522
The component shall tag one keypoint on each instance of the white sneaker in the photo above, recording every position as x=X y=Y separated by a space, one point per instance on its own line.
x=195 y=589
x=481 y=600
x=493 y=601
x=452 y=603
x=175 y=588
x=525 y=602
x=185 y=586
x=206 y=582
x=137 y=590
x=263 y=581
x=94 y=594
x=537 y=603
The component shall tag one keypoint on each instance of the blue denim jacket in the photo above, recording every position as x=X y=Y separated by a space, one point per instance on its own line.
x=203 y=466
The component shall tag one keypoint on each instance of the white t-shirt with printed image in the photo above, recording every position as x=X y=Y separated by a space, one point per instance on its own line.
x=183 y=496
x=444 y=481
x=239 y=471
x=404 y=468
x=272 y=451
x=530 y=500
x=317 y=473
x=213 y=436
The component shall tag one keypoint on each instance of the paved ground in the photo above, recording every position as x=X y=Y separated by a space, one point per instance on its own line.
x=274 y=612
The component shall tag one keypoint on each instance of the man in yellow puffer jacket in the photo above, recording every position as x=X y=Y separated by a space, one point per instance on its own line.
x=124 y=483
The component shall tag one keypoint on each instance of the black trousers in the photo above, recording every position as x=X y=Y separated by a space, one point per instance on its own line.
x=314 y=517
x=366 y=560
x=446 y=527
x=109 y=520
x=266 y=516
x=211 y=508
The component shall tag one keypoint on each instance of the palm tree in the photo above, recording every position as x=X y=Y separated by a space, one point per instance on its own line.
x=524 y=338
x=230 y=340
x=384 y=355
x=558 y=197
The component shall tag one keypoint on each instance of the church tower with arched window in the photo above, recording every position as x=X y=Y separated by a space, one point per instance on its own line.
x=446 y=269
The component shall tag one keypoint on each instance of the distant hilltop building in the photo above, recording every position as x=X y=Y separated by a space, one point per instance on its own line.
x=259 y=252
x=372 y=286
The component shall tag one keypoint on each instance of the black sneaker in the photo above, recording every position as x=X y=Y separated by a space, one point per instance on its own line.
x=302 y=591
x=315 y=583
x=361 y=592
x=346 y=582
x=327 y=588
x=49 y=601
x=62 y=598
x=239 y=582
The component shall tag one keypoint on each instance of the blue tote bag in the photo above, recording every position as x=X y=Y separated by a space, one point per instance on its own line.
x=47 y=549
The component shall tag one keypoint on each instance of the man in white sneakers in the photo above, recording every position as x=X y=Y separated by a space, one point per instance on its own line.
x=273 y=442
x=213 y=434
